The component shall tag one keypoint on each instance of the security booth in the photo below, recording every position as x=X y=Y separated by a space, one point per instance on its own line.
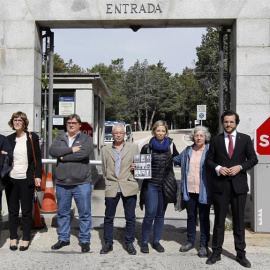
x=260 y=221
x=83 y=94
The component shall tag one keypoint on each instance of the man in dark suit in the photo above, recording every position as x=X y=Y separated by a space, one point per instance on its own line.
x=231 y=155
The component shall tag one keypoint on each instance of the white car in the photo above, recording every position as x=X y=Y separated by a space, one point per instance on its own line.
x=108 y=138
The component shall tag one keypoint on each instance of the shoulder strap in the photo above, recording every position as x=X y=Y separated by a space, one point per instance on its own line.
x=31 y=139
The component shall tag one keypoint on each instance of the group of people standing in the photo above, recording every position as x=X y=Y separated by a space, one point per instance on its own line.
x=212 y=173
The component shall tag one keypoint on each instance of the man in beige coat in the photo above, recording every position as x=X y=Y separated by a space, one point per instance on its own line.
x=118 y=166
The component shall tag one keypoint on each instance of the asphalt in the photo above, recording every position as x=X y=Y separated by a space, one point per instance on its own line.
x=40 y=255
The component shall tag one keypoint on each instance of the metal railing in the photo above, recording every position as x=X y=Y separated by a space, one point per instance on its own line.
x=53 y=161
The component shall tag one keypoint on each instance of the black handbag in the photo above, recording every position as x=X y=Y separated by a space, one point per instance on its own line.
x=5 y=168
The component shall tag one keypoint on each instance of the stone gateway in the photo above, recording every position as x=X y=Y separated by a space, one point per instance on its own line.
x=22 y=22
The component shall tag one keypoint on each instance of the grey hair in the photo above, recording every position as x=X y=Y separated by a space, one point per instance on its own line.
x=118 y=125
x=200 y=128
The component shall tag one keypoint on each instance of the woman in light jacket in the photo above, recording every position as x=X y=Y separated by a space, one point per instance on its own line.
x=21 y=185
x=196 y=189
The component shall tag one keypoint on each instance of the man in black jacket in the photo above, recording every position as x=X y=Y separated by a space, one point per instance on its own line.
x=231 y=155
x=5 y=149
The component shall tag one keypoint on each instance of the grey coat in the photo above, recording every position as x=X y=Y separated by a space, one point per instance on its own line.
x=73 y=168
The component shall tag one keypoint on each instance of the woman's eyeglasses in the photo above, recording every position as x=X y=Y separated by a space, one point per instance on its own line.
x=17 y=120
x=199 y=136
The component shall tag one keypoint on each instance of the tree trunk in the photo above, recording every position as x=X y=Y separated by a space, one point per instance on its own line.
x=139 y=121
x=146 y=119
x=151 y=119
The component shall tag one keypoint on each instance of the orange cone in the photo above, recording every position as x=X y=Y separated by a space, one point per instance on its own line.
x=38 y=222
x=49 y=203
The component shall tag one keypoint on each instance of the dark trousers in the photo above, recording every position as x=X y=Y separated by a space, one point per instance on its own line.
x=221 y=202
x=192 y=206
x=129 y=204
x=19 y=193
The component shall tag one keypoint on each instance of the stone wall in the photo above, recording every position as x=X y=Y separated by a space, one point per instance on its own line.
x=20 y=44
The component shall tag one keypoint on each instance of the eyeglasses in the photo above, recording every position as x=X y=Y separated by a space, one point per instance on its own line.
x=72 y=123
x=199 y=136
x=17 y=120
x=118 y=133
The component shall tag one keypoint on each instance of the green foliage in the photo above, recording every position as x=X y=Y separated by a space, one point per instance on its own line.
x=113 y=75
x=146 y=93
x=55 y=133
x=207 y=74
x=60 y=66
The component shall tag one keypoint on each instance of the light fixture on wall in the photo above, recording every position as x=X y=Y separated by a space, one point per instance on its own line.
x=135 y=28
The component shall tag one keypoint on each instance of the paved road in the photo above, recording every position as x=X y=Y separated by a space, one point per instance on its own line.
x=40 y=256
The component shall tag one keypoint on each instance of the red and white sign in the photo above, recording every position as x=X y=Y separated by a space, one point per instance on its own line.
x=87 y=129
x=262 y=138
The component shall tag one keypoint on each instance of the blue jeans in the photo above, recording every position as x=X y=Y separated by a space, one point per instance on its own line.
x=154 y=211
x=129 y=204
x=82 y=197
x=204 y=210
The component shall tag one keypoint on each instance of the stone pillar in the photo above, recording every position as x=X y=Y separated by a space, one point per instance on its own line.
x=252 y=80
x=20 y=72
x=253 y=72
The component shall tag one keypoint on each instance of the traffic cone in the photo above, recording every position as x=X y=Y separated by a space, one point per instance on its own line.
x=49 y=203
x=38 y=222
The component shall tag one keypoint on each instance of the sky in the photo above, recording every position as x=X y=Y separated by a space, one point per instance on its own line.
x=175 y=47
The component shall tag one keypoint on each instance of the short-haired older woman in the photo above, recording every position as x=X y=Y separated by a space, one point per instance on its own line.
x=196 y=188
x=155 y=193
x=20 y=188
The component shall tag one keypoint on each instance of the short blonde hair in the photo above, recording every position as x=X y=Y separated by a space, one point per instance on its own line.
x=160 y=123
x=21 y=115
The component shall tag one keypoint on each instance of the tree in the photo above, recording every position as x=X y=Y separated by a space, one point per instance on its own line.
x=117 y=108
x=73 y=68
x=59 y=65
x=207 y=74
x=159 y=81
x=147 y=88
x=134 y=87
x=187 y=95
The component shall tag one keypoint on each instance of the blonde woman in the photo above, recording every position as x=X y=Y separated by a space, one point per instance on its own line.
x=160 y=190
